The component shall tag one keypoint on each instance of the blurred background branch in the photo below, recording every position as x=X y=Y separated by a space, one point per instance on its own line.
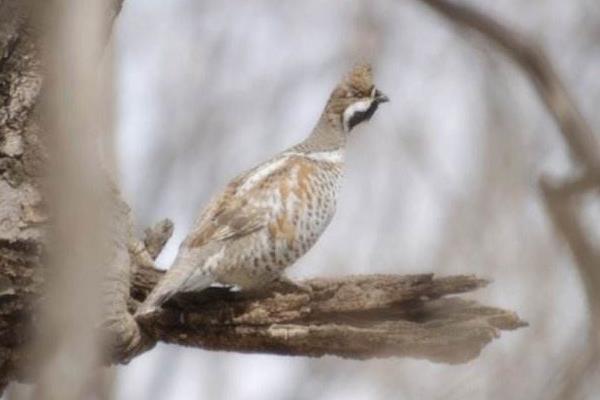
x=531 y=58
x=563 y=199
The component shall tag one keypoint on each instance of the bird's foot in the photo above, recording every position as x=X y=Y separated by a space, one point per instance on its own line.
x=289 y=285
x=145 y=312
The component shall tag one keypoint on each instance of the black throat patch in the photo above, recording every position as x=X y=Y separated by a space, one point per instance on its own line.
x=360 y=116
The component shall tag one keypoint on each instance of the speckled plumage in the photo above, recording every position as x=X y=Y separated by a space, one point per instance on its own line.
x=269 y=216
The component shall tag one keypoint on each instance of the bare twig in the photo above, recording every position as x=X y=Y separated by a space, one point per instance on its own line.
x=560 y=199
x=156 y=237
x=562 y=204
x=577 y=134
x=532 y=59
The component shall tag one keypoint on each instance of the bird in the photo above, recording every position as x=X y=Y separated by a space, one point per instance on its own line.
x=271 y=215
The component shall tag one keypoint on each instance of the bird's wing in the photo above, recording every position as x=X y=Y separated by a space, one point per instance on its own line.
x=228 y=216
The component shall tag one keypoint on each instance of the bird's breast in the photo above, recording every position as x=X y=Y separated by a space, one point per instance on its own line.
x=299 y=196
x=306 y=203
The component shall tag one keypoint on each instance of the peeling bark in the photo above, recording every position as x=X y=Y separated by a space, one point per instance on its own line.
x=355 y=317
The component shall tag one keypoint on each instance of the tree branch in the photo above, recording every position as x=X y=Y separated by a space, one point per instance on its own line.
x=355 y=317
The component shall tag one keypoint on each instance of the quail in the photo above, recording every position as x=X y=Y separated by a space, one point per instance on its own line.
x=271 y=215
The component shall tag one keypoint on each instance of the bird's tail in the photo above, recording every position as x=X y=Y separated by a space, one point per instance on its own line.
x=186 y=274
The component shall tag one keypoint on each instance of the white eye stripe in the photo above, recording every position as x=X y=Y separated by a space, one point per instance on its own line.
x=359 y=106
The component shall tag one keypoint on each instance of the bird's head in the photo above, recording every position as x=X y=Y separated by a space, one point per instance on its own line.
x=355 y=99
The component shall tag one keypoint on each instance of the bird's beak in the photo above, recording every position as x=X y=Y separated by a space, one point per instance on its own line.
x=380 y=97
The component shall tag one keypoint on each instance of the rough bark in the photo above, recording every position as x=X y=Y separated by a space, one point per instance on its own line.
x=21 y=163
x=356 y=317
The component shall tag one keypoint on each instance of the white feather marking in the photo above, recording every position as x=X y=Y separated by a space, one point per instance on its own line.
x=359 y=106
x=332 y=156
x=212 y=261
x=261 y=173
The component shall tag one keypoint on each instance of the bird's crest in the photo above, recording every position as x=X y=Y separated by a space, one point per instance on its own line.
x=357 y=84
